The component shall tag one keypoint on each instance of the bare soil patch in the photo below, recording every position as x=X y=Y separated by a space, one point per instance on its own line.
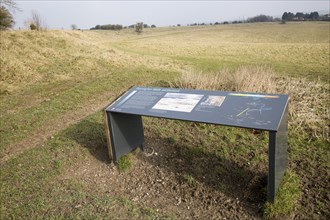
x=185 y=185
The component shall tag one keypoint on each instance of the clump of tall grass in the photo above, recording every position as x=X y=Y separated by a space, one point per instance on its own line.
x=249 y=79
x=308 y=103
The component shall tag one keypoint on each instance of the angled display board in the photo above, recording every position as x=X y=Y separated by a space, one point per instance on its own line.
x=246 y=110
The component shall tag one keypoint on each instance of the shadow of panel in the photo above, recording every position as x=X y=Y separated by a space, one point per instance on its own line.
x=221 y=174
x=91 y=135
x=218 y=173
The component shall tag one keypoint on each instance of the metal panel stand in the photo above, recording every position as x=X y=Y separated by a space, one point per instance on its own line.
x=126 y=134
x=277 y=156
x=267 y=112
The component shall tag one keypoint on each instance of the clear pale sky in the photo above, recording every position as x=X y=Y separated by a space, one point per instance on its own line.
x=86 y=14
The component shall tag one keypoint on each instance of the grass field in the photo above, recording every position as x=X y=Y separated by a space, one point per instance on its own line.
x=53 y=152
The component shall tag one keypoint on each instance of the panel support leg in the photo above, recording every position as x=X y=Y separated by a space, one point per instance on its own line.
x=125 y=132
x=277 y=156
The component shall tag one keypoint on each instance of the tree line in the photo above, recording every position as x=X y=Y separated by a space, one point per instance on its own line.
x=287 y=16
x=108 y=27
x=37 y=23
x=119 y=26
x=299 y=16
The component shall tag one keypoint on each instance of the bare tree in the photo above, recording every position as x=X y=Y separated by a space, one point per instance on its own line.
x=6 y=17
x=139 y=27
x=37 y=21
x=74 y=27
x=10 y=4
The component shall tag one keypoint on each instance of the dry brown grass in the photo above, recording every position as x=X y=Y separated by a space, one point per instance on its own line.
x=308 y=105
x=250 y=79
x=31 y=58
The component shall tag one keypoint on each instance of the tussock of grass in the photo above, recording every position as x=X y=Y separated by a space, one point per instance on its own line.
x=251 y=79
x=308 y=106
x=190 y=179
x=125 y=163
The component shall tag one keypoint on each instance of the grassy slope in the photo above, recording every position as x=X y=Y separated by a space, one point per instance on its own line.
x=299 y=49
x=47 y=75
x=50 y=84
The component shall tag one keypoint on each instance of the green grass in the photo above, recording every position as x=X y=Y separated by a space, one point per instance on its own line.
x=125 y=163
x=18 y=125
x=37 y=188
x=297 y=49
x=190 y=179
x=286 y=198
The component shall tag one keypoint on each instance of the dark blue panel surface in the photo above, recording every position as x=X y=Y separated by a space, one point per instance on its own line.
x=247 y=110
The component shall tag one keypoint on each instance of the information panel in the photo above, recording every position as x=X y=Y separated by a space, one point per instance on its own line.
x=247 y=110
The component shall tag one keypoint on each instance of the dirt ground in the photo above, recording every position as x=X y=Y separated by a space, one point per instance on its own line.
x=170 y=183
x=184 y=183
x=180 y=182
